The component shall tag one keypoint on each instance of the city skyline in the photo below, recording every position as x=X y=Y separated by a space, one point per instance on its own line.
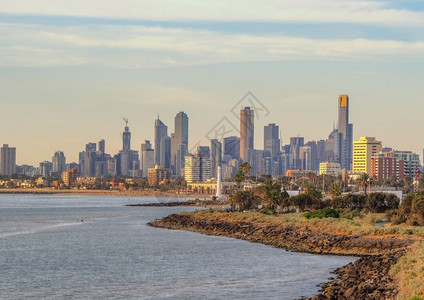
x=258 y=141
x=69 y=72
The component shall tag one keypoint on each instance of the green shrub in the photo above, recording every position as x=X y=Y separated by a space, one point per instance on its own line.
x=267 y=211
x=323 y=213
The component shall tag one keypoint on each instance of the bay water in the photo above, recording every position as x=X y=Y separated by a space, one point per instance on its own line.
x=46 y=252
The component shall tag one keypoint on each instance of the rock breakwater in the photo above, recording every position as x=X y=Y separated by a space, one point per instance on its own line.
x=367 y=278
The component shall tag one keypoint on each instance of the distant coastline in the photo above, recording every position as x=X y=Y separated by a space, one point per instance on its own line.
x=118 y=193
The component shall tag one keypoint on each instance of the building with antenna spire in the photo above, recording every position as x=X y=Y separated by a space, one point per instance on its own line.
x=128 y=163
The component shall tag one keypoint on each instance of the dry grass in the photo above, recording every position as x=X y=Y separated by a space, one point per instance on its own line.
x=409 y=273
x=363 y=225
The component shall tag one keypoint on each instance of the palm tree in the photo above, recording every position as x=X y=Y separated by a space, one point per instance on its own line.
x=335 y=190
x=364 y=180
x=246 y=168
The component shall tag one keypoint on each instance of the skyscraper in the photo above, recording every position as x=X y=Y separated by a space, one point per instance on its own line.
x=8 y=160
x=295 y=144
x=102 y=146
x=216 y=156
x=59 y=162
x=126 y=137
x=232 y=147
x=165 y=152
x=127 y=159
x=272 y=140
x=46 y=168
x=346 y=131
x=147 y=159
x=179 y=142
x=161 y=131
x=247 y=132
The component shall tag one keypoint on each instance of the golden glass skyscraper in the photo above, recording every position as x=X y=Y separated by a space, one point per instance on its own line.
x=345 y=129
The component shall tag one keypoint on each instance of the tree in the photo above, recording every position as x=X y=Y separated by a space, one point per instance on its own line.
x=245 y=168
x=239 y=178
x=271 y=194
x=335 y=190
x=363 y=181
x=312 y=191
x=244 y=200
x=381 y=202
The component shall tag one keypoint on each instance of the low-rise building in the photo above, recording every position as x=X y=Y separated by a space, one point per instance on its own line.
x=157 y=174
x=330 y=168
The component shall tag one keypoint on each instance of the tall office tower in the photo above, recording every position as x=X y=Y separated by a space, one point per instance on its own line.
x=346 y=131
x=295 y=144
x=89 y=159
x=126 y=137
x=91 y=147
x=247 y=132
x=147 y=158
x=102 y=146
x=179 y=160
x=59 y=162
x=203 y=151
x=165 y=152
x=314 y=155
x=232 y=147
x=179 y=143
x=256 y=161
x=46 y=168
x=8 y=160
x=89 y=163
x=305 y=155
x=216 y=156
x=161 y=131
x=127 y=159
x=272 y=141
x=363 y=151
x=320 y=151
x=81 y=163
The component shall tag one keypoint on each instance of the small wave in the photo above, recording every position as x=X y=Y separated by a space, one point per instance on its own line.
x=37 y=230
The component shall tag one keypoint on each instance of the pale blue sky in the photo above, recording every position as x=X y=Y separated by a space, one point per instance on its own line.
x=70 y=70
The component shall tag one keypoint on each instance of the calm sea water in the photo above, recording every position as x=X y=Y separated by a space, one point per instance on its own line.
x=47 y=254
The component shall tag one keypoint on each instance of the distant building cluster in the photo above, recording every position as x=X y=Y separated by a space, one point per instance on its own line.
x=169 y=156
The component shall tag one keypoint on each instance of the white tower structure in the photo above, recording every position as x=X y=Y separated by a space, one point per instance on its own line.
x=219 y=195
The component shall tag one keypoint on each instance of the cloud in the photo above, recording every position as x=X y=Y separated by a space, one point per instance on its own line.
x=299 y=11
x=151 y=47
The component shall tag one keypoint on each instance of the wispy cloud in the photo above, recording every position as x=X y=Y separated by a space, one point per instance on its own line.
x=142 y=46
x=303 y=11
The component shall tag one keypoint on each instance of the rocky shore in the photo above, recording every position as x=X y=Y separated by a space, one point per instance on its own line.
x=367 y=278
x=181 y=203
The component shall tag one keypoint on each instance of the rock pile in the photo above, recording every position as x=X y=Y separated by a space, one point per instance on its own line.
x=367 y=278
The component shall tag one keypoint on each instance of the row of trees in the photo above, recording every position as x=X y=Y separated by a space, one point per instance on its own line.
x=410 y=211
x=270 y=195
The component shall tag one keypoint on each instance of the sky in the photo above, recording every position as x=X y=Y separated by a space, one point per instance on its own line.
x=70 y=70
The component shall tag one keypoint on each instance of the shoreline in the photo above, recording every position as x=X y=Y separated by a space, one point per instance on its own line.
x=133 y=193
x=366 y=278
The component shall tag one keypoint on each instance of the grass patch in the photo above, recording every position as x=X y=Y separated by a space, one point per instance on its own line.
x=409 y=273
